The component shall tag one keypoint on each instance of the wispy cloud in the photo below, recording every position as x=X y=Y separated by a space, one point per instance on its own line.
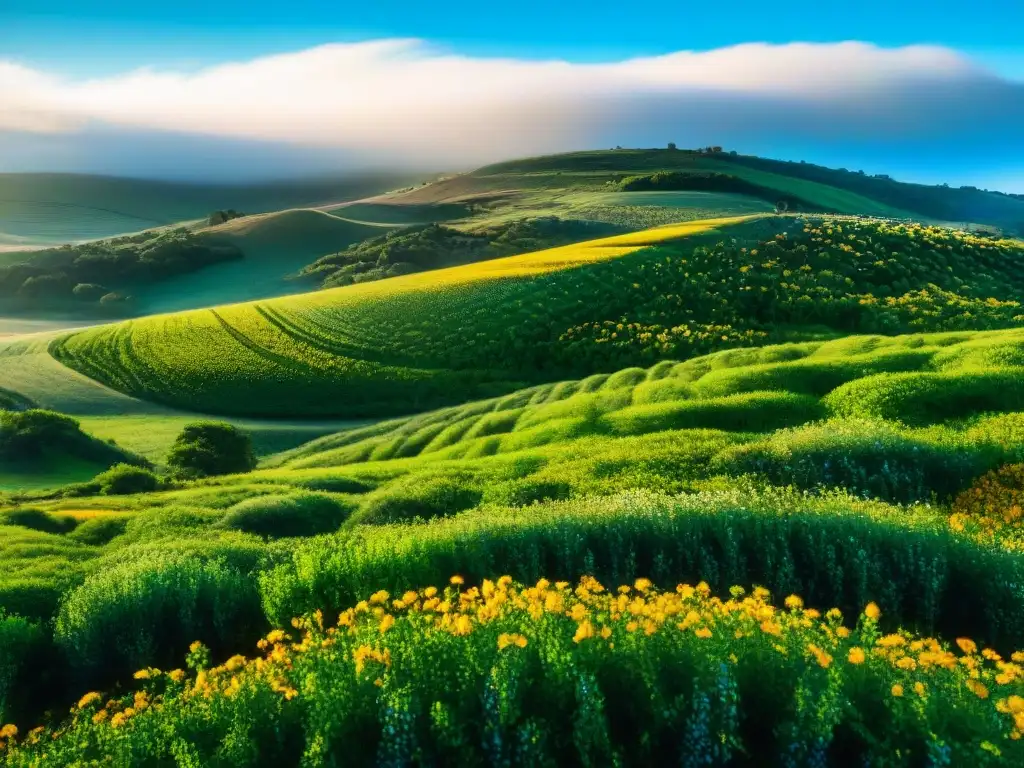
x=405 y=100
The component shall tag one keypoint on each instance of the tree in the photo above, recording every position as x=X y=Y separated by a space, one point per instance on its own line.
x=781 y=206
x=207 y=448
x=672 y=146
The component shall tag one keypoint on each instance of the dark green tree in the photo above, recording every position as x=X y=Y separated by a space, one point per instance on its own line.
x=207 y=448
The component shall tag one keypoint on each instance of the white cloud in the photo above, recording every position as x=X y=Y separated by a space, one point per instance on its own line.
x=406 y=99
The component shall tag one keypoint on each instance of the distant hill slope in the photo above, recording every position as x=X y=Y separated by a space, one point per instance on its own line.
x=53 y=208
x=830 y=190
x=276 y=246
x=410 y=343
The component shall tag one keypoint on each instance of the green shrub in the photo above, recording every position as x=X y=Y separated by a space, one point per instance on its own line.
x=750 y=412
x=122 y=479
x=97 y=531
x=833 y=551
x=38 y=520
x=208 y=448
x=146 y=612
x=519 y=493
x=299 y=514
x=419 y=498
x=23 y=644
x=869 y=459
x=334 y=484
x=928 y=398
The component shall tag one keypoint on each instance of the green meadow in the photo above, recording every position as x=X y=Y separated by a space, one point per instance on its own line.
x=730 y=486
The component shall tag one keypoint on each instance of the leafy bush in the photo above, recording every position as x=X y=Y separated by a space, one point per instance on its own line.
x=97 y=531
x=993 y=505
x=752 y=412
x=208 y=448
x=335 y=484
x=123 y=479
x=833 y=550
x=927 y=398
x=38 y=520
x=519 y=493
x=869 y=459
x=299 y=514
x=31 y=434
x=147 y=611
x=20 y=640
x=418 y=498
x=79 y=272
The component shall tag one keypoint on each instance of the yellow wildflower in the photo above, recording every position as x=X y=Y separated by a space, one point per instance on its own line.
x=90 y=698
x=967 y=645
x=897 y=690
x=856 y=655
x=583 y=632
x=872 y=611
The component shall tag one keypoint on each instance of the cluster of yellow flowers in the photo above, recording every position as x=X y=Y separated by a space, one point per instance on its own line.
x=375 y=632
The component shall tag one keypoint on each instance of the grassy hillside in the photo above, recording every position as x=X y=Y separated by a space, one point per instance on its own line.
x=965 y=204
x=837 y=190
x=403 y=344
x=410 y=343
x=50 y=209
x=144 y=428
x=132 y=580
x=276 y=247
x=744 y=491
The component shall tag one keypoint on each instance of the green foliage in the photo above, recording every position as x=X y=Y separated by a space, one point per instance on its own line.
x=20 y=644
x=435 y=245
x=125 y=479
x=554 y=676
x=711 y=182
x=300 y=514
x=424 y=499
x=97 y=531
x=38 y=520
x=144 y=611
x=27 y=436
x=80 y=272
x=832 y=551
x=870 y=459
x=211 y=448
x=926 y=397
x=411 y=345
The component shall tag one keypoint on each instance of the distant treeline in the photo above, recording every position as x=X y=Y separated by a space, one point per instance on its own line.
x=710 y=182
x=103 y=271
x=434 y=245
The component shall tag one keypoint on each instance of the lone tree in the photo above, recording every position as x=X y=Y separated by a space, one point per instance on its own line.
x=781 y=206
x=207 y=448
x=672 y=145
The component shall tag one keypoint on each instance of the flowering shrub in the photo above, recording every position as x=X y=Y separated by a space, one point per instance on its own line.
x=561 y=674
x=993 y=506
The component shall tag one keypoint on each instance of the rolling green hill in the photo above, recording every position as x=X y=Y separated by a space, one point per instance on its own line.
x=407 y=343
x=534 y=182
x=50 y=209
x=420 y=341
x=543 y=483
x=741 y=489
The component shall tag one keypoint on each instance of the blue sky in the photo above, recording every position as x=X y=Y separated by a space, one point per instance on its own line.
x=92 y=36
x=84 y=81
